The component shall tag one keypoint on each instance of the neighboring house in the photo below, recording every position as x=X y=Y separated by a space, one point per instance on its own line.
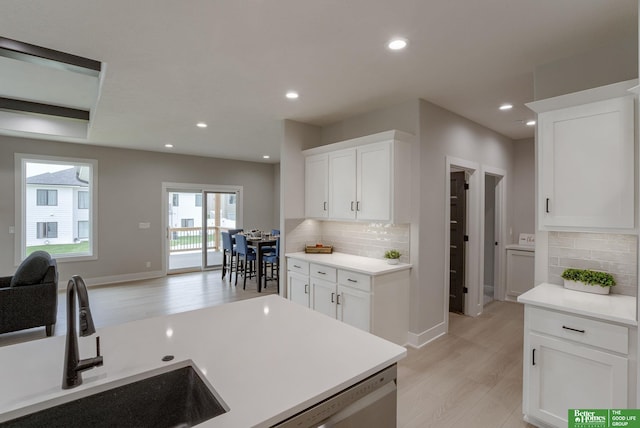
x=185 y=210
x=57 y=208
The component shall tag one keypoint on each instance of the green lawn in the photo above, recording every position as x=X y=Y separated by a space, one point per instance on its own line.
x=80 y=247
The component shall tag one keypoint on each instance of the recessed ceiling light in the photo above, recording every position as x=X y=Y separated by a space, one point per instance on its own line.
x=201 y=125
x=397 y=44
x=531 y=122
x=168 y=146
x=292 y=95
x=506 y=106
x=266 y=157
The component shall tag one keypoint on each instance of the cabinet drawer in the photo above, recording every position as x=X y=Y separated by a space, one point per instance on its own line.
x=300 y=266
x=578 y=329
x=323 y=272
x=354 y=279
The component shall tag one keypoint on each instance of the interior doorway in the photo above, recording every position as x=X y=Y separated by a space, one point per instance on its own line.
x=490 y=239
x=194 y=217
x=458 y=237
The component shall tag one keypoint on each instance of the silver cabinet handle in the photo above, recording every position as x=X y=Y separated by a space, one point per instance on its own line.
x=322 y=273
x=306 y=289
x=351 y=205
x=338 y=299
x=332 y=295
x=325 y=205
x=297 y=267
x=357 y=205
x=352 y=280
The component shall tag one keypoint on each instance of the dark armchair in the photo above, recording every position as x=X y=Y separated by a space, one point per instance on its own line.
x=29 y=298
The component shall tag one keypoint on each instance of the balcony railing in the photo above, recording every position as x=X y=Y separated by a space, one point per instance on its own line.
x=190 y=238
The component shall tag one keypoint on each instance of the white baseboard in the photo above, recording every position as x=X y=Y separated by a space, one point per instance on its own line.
x=418 y=340
x=114 y=279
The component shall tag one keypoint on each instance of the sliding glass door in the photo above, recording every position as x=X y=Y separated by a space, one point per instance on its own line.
x=195 y=218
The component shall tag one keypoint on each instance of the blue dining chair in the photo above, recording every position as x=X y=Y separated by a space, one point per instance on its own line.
x=274 y=232
x=248 y=262
x=273 y=260
x=228 y=255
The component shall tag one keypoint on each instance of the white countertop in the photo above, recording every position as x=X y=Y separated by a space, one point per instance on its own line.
x=267 y=358
x=611 y=307
x=365 y=265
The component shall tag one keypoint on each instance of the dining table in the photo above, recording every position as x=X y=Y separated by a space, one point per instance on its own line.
x=258 y=244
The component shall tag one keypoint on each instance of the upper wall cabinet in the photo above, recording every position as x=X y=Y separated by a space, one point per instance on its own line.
x=365 y=179
x=586 y=159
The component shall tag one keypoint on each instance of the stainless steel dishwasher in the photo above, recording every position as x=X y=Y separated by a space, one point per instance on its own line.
x=371 y=403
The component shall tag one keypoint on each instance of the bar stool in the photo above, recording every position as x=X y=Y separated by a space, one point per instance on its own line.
x=273 y=259
x=228 y=255
x=248 y=262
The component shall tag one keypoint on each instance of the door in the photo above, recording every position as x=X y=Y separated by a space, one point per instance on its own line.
x=342 y=185
x=354 y=307
x=566 y=376
x=457 y=241
x=195 y=218
x=316 y=196
x=374 y=182
x=323 y=297
x=299 y=291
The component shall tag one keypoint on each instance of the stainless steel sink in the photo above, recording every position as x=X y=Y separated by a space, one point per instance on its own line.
x=178 y=397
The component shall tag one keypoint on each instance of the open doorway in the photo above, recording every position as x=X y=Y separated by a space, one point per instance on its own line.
x=490 y=239
x=457 y=238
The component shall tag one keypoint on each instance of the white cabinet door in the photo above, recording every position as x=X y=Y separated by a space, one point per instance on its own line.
x=564 y=376
x=342 y=185
x=323 y=296
x=299 y=289
x=520 y=272
x=586 y=169
x=316 y=186
x=374 y=182
x=354 y=307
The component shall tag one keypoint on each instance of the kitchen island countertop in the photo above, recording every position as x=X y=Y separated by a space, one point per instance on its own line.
x=267 y=358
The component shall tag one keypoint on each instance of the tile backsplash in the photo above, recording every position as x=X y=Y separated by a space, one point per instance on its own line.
x=613 y=253
x=360 y=239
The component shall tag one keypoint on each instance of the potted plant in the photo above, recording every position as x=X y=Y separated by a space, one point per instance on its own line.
x=392 y=256
x=590 y=281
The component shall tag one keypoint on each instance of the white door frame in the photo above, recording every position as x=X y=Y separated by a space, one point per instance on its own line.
x=472 y=251
x=500 y=232
x=166 y=186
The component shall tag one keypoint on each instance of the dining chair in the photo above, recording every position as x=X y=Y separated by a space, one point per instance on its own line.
x=273 y=260
x=274 y=232
x=248 y=262
x=228 y=255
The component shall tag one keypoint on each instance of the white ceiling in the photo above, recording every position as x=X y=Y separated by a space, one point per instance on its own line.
x=229 y=63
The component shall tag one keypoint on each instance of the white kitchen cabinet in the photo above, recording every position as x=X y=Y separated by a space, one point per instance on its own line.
x=586 y=159
x=376 y=302
x=366 y=178
x=578 y=358
x=316 y=186
x=520 y=270
x=299 y=289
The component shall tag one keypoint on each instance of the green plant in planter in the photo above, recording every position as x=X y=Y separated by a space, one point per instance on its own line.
x=591 y=277
x=392 y=254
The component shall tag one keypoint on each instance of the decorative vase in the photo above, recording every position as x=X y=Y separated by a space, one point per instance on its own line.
x=587 y=288
x=392 y=261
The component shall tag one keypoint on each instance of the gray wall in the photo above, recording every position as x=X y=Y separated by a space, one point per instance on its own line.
x=603 y=65
x=130 y=191
x=523 y=196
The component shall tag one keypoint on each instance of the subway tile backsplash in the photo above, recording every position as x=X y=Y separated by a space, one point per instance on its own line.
x=360 y=239
x=613 y=253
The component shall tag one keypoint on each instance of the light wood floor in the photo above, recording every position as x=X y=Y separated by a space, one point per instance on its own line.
x=471 y=377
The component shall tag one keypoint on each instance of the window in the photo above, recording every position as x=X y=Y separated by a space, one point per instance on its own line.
x=47 y=229
x=83 y=200
x=56 y=199
x=198 y=200
x=83 y=229
x=46 y=197
x=176 y=200
x=187 y=222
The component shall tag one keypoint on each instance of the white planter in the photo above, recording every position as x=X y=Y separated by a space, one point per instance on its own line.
x=392 y=261
x=581 y=286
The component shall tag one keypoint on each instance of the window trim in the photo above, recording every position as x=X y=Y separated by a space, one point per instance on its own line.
x=20 y=160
